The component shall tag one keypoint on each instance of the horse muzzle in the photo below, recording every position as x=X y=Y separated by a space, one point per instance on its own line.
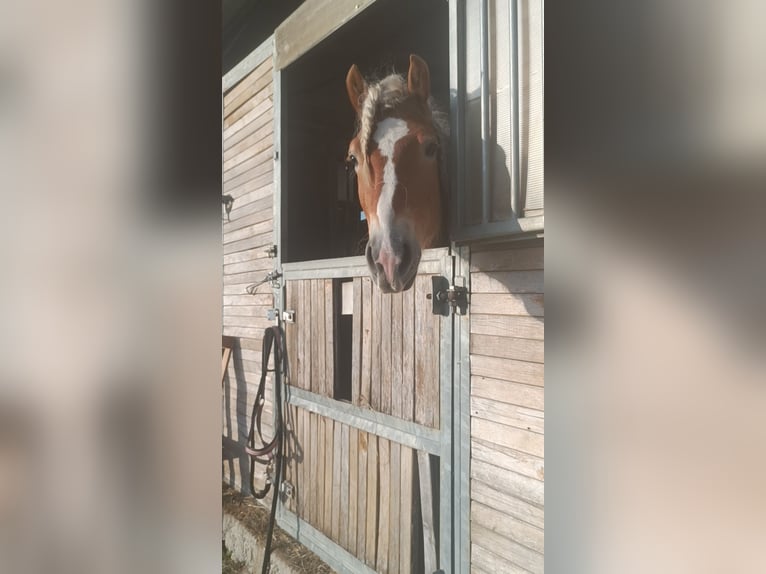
x=393 y=263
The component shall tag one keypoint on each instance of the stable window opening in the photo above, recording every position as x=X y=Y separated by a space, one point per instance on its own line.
x=343 y=327
x=321 y=217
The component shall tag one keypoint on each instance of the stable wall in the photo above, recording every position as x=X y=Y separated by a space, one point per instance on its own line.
x=507 y=408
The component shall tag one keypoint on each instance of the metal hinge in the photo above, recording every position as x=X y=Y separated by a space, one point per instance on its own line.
x=272 y=251
x=446 y=297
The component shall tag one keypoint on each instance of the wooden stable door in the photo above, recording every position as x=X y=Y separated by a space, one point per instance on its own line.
x=365 y=396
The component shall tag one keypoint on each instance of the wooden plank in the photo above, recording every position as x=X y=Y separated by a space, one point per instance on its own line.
x=356 y=343
x=319 y=473
x=304 y=469
x=508 y=282
x=426 y=505
x=264 y=155
x=365 y=392
x=336 y=472
x=394 y=507
x=249 y=143
x=384 y=496
x=376 y=303
x=328 y=340
x=519 y=554
x=528 y=350
x=508 y=504
x=508 y=326
x=249 y=231
x=486 y=561
x=511 y=415
x=508 y=304
x=517 y=439
x=508 y=369
x=245 y=188
x=385 y=354
x=508 y=527
x=308 y=326
x=508 y=458
x=257 y=124
x=310 y=24
x=508 y=482
x=361 y=520
x=256 y=93
x=316 y=335
x=508 y=392
x=262 y=107
x=372 y=501
x=528 y=259
x=353 y=488
x=329 y=456
x=255 y=242
x=396 y=354
x=300 y=320
x=344 y=486
x=311 y=465
x=406 y=510
x=426 y=356
x=408 y=355
x=236 y=92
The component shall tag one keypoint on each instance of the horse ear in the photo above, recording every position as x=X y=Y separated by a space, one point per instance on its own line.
x=419 y=78
x=356 y=87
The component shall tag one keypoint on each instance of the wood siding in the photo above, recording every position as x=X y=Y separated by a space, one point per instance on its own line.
x=507 y=423
x=248 y=174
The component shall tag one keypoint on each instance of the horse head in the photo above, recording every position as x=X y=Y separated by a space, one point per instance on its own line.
x=398 y=155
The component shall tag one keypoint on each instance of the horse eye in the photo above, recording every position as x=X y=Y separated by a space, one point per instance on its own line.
x=431 y=149
x=351 y=161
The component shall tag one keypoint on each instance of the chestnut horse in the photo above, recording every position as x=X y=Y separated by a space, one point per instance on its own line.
x=398 y=153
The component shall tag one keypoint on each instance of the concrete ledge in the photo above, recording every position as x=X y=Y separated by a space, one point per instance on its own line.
x=245 y=547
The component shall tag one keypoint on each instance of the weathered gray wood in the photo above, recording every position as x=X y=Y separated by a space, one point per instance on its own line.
x=508 y=369
x=316 y=336
x=508 y=282
x=361 y=521
x=249 y=145
x=372 y=500
x=353 y=488
x=328 y=474
x=508 y=304
x=485 y=561
x=511 y=415
x=344 y=486
x=509 y=482
x=408 y=355
x=394 y=507
x=508 y=326
x=385 y=354
x=243 y=89
x=336 y=472
x=517 y=439
x=520 y=555
x=384 y=495
x=264 y=155
x=396 y=354
x=255 y=94
x=319 y=473
x=313 y=21
x=365 y=393
x=312 y=464
x=508 y=527
x=264 y=105
x=249 y=231
x=528 y=350
x=356 y=343
x=508 y=392
x=375 y=375
x=426 y=505
x=426 y=356
x=508 y=504
x=405 y=533
x=265 y=120
x=255 y=242
x=504 y=259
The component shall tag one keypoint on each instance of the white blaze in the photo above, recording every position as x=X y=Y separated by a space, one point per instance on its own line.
x=388 y=132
